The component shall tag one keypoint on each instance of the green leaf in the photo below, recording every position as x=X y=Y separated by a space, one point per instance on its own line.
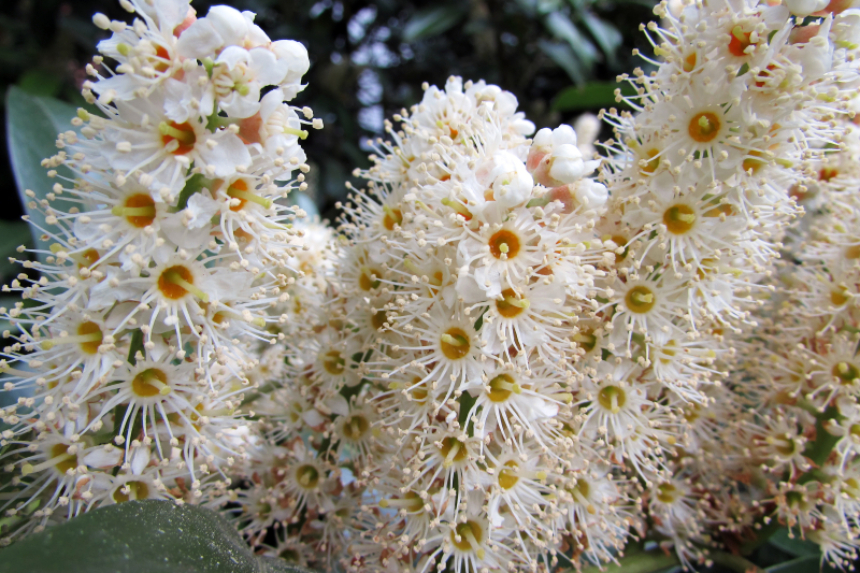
x=12 y=235
x=32 y=125
x=140 y=537
x=40 y=82
x=794 y=546
x=606 y=35
x=467 y=403
x=564 y=57
x=593 y=95
x=563 y=29
x=432 y=22
x=195 y=184
x=799 y=565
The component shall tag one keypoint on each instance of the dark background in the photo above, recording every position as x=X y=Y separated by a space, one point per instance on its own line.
x=368 y=60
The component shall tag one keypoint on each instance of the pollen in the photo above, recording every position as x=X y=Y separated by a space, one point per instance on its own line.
x=845 y=372
x=739 y=41
x=455 y=344
x=151 y=382
x=510 y=306
x=177 y=281
x=138 y=210
x=334 y=363
x=307 y=476
x=704 y=127
x=367 y=279
x=182 y=133
x=93 y=335
x=504 y=243
x=135 y=490
x=453 y=450
x=501 y=387
x=640 y=299
x=508 y=477
x=679 y=219
x=666 y=492
x=469 y=535
x=355 y=427
x=612 y=398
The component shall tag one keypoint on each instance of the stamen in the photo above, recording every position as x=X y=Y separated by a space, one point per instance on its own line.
x=300 y=133
x=175 y=278
x=459 y=208
x=77 y=339
x=27 y=469
x=453 y=340
x=133 y=211
x=449 y=459
x=248 y=196
x=643 y=298
x=519 y=303
x=180 y=135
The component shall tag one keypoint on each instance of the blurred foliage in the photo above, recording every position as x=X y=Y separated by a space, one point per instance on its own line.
x=368 y=60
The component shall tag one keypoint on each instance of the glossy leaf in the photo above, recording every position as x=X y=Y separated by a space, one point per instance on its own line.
x=140 y=537
x=432 y=22
x=593 y=95
x=606 y=35
x=32 y=125
x=12 y=235
x=563 y=29
x=800 y=565
x=564 y=57
x=793 y=546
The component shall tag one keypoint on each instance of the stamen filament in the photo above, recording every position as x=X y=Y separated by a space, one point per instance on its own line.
x=176 y=279
x=300 y=133
x=452 y=453
x=519 y=303
x=27 y=469
x=76 y=339
x=453 y=340
x=182 y=136
x=248 y=196
x=470 y=536
x=457 y=207
x=133 y=211
x=643 y=298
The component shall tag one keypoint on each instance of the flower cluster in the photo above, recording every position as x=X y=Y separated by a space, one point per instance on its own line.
x=171 y=244
x=520 y=365
x=511 y=354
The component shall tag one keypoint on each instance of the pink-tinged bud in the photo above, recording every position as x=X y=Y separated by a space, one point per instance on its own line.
x=563 y=194
x=190 y=18
x=249 y=129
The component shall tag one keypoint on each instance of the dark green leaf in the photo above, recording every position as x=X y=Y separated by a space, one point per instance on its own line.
x=794 y=546
x=467 y=403
x=194 y=184
x=12 y=235
x=806 y=564
x=563 y=29
x=607 y=36
x=136 y=346
x=40 y=82
x=564 y=57
x=432 y=22
x=140 y=537
x=593 y=95
x=32 y=125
